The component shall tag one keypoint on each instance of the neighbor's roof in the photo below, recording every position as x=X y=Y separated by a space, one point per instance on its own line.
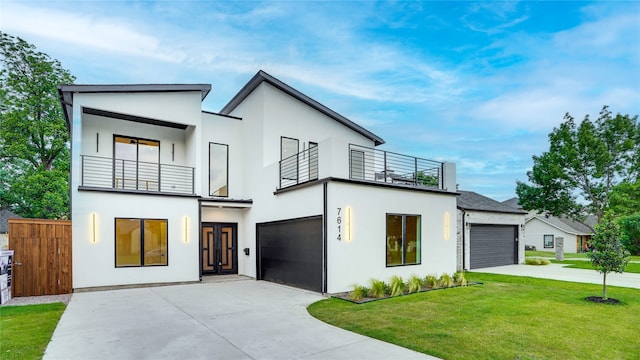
x=66 y=92
x=469 y=200
x=262 y=76
x=568 y=225
x=5 y=215
x=514 y=202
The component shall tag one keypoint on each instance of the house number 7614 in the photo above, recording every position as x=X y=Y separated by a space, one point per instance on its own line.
x=339 y=223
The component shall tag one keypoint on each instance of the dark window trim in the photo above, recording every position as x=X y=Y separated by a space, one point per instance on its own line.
x=404 y=237
x=115 y=242
x=227 y=180
x=544 y=241
x=113 y=179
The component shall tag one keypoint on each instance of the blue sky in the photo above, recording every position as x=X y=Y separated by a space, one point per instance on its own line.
x=481 y=84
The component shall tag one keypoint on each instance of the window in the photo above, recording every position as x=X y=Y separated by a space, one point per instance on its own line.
x=313 y=160
x=136 y=163
x=288 y=157
x=141 y=242
x=403 y=239
x=218 y=169
x=548 y=241
x=357 y=164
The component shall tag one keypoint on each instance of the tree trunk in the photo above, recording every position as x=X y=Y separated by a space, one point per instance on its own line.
x=604 y=286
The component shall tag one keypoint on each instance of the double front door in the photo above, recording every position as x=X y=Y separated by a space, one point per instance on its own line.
x=219 y=248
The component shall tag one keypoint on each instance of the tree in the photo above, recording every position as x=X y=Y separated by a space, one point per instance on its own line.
x=34 y=140
x=607 y=253
x=630 y=227
x=625 y=198
x=584 y=163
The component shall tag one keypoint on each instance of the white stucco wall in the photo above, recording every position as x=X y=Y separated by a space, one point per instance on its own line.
x=363 y=257
x=536 y=229
x=488 y=218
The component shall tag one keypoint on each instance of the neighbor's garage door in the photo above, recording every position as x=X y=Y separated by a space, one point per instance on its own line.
x=492 y=245
x=290 y=252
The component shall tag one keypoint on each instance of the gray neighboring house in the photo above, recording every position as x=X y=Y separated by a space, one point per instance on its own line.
x=543 y=231
x=490 y=233
x=5 y=215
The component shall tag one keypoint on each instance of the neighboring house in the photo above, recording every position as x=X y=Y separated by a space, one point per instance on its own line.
x=5 y=215
x=543 y=231
x=276 y=186
x=490 y=233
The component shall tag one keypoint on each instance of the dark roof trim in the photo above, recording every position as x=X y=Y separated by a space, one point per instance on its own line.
x=225 y=200
x=225 y=115
x=261 y=76
x=134 y=118
x=65 y=92
x=364 y=183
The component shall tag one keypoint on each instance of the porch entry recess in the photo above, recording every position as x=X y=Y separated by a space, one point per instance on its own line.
x=219 y=246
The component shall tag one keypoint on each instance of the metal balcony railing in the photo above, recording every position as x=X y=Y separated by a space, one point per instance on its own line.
x=383 y=166
x=299 y=168
x=102 y=172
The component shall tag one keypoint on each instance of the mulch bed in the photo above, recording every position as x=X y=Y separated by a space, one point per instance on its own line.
x=345 y=295
x=599 y=299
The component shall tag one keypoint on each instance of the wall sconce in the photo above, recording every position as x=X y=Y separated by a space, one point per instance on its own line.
x=347 y=225
x=521 y=227
x=446 y=226
x=186 y=229
x=93 y=227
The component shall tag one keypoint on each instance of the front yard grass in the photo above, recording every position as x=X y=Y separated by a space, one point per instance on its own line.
x=25 y=331
x=507 y=317
x=581 y=264
x=551 y=254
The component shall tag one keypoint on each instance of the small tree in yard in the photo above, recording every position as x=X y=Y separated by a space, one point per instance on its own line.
x=607 y=253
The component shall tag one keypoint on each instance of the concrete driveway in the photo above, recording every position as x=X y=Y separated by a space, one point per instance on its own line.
x=236 y=319
x=560 y=272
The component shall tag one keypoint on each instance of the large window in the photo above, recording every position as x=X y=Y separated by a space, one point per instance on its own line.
x=136 y=163
x=548 y=241
x=218 y=169
x=403 y=239
x=141 y=242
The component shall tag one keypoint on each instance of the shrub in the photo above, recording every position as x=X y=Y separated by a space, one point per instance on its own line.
x=414 y=284
x=445 y=280
x=378 y=288
x=358 y=293
x=431 y=282
x=397 y=286
x=460 y=279
x=536 y=261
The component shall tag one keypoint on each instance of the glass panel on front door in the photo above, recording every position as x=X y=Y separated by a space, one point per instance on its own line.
x=219 y=249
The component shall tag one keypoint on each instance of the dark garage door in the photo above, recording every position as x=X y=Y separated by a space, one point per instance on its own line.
x=290 y=252
x=492 y=245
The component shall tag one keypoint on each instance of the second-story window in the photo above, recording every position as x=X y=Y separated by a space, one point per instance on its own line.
x=289 y=149
x=218 y=169
x=136 y=163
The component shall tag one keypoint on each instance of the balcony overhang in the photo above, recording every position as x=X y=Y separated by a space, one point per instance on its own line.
x=133 y=118
x=226 y=203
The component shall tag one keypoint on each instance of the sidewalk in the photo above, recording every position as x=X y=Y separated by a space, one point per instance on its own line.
x=560 y=272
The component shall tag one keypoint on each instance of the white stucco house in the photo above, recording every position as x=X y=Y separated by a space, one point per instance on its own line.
x=490 y=233
x=275 y=186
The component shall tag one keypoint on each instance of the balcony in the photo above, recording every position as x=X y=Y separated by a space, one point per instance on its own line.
x=108 y=173
x=375 y=165
x=299 y=168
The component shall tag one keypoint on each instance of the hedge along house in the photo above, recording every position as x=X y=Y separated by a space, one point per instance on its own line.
x=275 y=186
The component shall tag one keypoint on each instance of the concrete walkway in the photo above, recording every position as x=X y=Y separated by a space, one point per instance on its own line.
x=240 y=319
x=560 y=272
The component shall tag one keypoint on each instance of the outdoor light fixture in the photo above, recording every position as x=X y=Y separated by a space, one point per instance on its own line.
x=186 y=229
x=93 y=227
x=347 y=225
x=446 y=224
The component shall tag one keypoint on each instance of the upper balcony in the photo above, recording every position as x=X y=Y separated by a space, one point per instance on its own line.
x=135 y=176
x=365 y=164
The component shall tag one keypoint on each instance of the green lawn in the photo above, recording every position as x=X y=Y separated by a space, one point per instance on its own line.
x=26 y=330
x=581 y=264
x=551 y=254
x=505 y=318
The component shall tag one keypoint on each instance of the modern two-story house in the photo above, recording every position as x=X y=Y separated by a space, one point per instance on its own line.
x=274 y=186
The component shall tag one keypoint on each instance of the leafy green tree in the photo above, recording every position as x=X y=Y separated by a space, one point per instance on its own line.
x=630 y=227
x=607 y=253
x=34 y=140
x=625 y=198
x=427 y=180
x=584 y=163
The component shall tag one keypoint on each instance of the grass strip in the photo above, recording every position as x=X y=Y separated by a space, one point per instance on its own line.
x=25 y=331
x=506 y=318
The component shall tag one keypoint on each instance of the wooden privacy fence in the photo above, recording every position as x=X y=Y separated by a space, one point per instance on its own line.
x=42 y=256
